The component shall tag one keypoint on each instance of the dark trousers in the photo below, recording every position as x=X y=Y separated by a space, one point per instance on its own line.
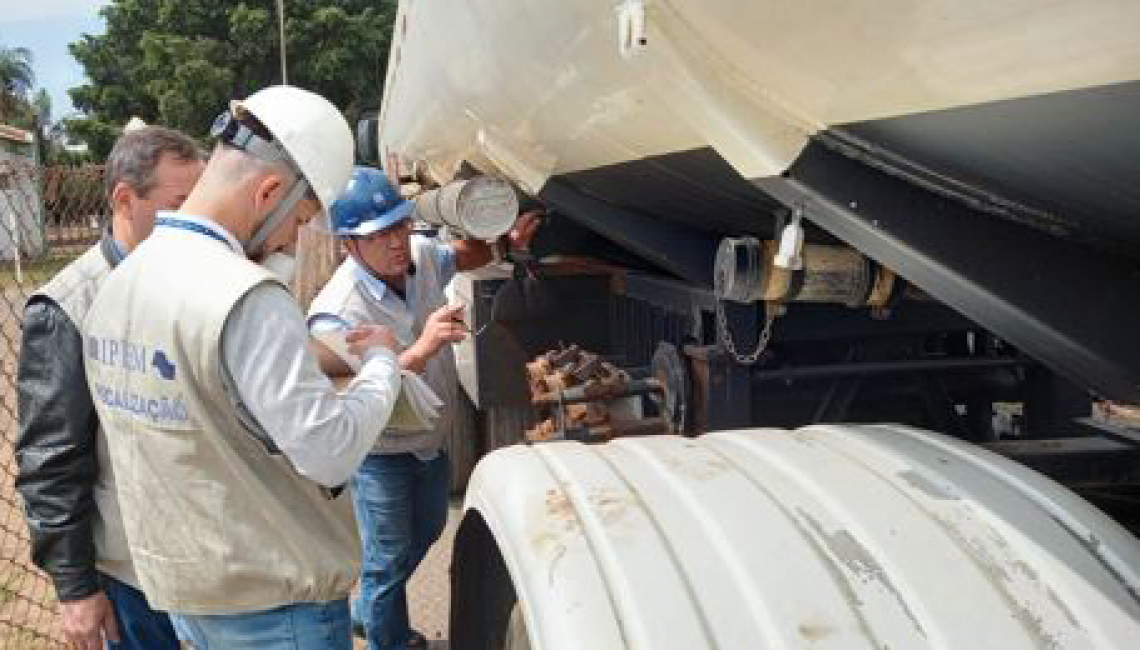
x=140 y=627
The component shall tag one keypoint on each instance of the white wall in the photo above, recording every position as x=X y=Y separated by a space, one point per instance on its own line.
x=20 y=194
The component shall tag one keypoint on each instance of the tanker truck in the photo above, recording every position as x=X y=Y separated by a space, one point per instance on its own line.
x=829 y=338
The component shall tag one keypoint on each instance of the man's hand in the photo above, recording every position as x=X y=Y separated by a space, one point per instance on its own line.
x=443 y=326
x=471 y=254
x=362 y=339
x=88 y=621
x=523 y=231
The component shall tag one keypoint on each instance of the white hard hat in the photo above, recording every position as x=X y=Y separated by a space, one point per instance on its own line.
x=134 y=124
x=311 y=130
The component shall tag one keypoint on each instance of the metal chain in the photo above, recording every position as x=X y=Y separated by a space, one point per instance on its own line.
x=761 y=341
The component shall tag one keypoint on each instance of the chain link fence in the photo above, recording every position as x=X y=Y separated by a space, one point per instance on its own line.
x=48 y=216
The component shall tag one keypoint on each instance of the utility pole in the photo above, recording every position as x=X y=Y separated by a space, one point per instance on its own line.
x=281 y=34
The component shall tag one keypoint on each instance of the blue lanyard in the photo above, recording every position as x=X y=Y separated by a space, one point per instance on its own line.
x=192 y=227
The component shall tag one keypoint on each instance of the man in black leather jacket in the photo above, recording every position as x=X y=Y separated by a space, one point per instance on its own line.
x=65 y=480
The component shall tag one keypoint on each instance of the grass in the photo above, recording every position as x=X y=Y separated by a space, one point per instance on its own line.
x=36 y=272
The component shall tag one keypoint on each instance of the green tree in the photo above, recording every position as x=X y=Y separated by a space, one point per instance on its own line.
x=16 y=79
x=178 y=62
x=39 y=114
x=41 y=104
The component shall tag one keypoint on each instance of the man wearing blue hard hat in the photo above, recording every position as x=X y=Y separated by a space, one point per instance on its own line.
x=395 y=278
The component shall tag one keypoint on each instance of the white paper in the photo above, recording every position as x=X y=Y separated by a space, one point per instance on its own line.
x=337 y=342
x=417 y=407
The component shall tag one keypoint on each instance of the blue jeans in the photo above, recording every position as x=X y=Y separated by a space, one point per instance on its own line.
x=300 y=626
x=401 y=509
x=140 y=627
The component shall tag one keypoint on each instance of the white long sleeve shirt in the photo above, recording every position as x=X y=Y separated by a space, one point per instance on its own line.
x=283 y=397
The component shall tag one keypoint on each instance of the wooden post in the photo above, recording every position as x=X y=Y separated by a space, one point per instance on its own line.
x=318 y=255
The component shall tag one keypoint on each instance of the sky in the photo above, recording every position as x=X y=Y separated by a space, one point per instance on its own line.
x=46 y=27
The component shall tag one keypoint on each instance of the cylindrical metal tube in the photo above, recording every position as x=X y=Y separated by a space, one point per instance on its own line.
x=872 y=368
x=482 y=207
x=832 y=274
x=579 y=394
x=740 y=268
x=746 y=272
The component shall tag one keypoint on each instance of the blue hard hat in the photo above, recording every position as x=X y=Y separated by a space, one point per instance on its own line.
x=368 y=204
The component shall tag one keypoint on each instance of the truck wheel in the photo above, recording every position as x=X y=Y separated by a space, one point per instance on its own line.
x=856 y=537
x=483 y=599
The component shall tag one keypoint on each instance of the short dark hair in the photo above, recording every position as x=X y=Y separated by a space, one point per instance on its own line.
x=138 y=152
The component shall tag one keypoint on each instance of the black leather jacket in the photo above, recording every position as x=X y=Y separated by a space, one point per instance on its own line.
x=56 y=449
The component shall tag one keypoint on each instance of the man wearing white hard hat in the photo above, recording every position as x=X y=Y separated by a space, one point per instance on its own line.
x=396 y=279
x=228 y=443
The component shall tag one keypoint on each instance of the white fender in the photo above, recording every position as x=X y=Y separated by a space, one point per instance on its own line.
x=827 y=537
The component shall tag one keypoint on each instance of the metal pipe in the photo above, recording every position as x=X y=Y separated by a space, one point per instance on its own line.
x=281 y=34
x=581 y=394
x=645 y=427
x=884 y=368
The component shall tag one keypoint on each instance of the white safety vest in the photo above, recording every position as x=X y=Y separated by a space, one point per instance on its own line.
x=349 y=296
x=216 y=523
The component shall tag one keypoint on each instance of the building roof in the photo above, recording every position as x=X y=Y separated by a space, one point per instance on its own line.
x=15 y=135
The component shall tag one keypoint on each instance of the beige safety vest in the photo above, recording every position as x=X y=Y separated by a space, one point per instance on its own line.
x=216 y=523
x=73 y=289
x=346 y=295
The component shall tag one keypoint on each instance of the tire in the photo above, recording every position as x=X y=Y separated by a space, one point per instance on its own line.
x=482 y=596
x=867 y=536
